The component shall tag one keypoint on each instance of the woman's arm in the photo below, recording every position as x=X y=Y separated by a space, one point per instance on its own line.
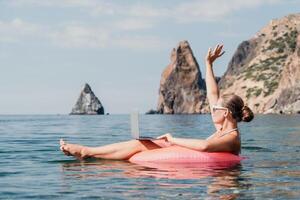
x=196 y=144
x=212 y=145
x=211 y=84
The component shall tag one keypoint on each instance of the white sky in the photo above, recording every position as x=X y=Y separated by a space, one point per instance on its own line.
x=50 y=48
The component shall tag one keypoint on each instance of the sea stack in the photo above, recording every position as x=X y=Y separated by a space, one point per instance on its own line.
x=87 y=103
x=182 y=89
x=265 y=70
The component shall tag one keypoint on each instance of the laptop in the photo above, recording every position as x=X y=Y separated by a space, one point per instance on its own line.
x=135 y=130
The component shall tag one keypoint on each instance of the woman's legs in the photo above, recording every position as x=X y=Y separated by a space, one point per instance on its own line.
x=120 y=151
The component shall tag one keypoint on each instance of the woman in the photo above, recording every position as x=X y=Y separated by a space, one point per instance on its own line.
x=226 y=110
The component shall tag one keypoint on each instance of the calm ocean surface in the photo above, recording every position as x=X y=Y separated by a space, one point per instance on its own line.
x=32 y=167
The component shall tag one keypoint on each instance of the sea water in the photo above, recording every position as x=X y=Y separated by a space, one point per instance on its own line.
x=32 y=166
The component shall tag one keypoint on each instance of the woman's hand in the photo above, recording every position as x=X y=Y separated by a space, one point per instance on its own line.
x=167 y=137
x=212 y=56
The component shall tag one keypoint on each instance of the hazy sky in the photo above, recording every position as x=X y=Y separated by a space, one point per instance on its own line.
x=50 y=48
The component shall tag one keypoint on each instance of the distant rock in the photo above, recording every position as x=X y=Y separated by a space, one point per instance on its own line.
x=87 y=103
x=152 y=112
x=288 y=100
x=265 y=70
x=182 y=89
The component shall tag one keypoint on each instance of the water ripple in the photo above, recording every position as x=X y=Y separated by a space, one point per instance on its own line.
x=32 y=167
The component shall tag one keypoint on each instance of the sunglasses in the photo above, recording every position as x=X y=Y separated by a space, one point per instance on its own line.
x=215 y=108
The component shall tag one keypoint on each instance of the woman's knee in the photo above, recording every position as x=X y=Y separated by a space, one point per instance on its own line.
x=135 y=145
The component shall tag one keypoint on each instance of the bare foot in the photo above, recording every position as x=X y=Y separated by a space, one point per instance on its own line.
x=75 y=150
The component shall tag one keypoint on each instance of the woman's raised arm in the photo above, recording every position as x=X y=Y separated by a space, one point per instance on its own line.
x=211 y=84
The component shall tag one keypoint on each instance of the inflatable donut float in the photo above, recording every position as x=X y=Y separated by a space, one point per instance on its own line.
x=181 y=155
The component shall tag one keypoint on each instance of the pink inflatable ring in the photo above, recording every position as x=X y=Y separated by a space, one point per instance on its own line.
x=181 y=155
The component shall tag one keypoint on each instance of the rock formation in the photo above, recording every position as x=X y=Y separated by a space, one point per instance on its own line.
x=87 y=103
x=265 y=70
x=288 y=100
x=182 y=89
x=152 y=112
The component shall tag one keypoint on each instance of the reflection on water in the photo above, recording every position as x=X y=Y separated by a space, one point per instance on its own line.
x=215 y=182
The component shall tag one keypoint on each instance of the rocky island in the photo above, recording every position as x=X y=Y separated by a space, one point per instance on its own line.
x=264 y=71
x=87 y=103
x=182 y=89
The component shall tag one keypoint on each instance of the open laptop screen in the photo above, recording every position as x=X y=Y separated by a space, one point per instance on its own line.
x=135 y=130
x=134 y=120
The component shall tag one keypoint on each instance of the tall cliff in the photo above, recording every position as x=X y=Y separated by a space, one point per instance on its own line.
x=87 y=103
x=265 y=70
x=182 y=89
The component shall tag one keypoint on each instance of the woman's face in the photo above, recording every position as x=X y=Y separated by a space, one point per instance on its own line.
x=218 y=114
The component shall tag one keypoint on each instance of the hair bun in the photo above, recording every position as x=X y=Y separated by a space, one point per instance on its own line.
x=247 y=114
